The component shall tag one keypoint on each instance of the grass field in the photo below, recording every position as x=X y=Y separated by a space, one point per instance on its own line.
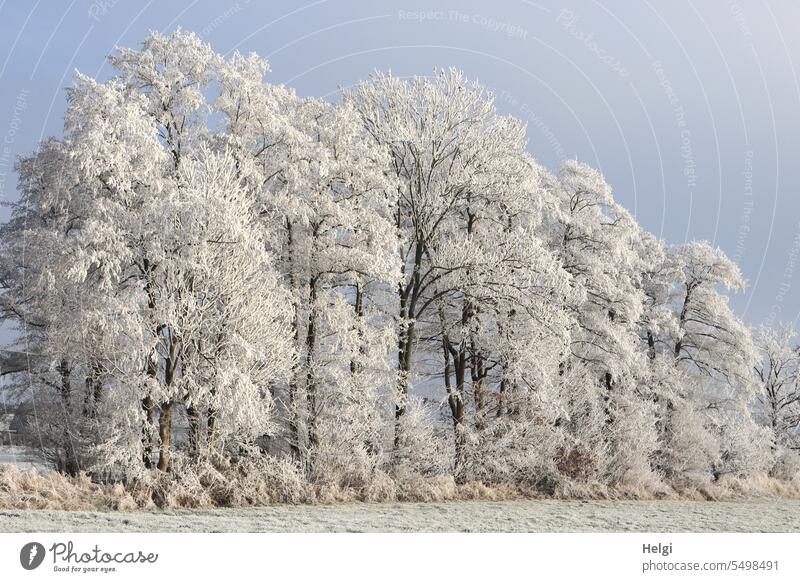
x=465 y=516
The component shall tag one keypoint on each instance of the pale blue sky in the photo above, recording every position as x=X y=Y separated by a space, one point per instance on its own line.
x=689 y=108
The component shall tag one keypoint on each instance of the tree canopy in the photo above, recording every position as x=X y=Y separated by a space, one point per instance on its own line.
x=218 y=275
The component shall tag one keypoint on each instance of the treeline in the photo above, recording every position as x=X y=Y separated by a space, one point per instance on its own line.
x=227 y=282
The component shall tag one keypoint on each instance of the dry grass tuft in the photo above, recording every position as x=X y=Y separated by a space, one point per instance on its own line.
x=282 y=482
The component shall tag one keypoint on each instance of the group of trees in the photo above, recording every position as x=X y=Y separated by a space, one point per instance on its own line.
x=213 y=269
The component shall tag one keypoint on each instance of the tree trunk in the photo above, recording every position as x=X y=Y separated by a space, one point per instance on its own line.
x=165 y=418
x=608 y=382
x=651 y=346
x=664 y=421
x=94 y=390
x=504 y=382
x=151 y=371
x=409 y=294
x=405 y=343
x=70 y=455
x=294 y=429
x=682 y=319
x=477 y=375
x=503 y=388
x=147 y=428
x=358 y=307
x=311 y=348
x=455 y=395
x=456 y=402
x=195 y=435
x=165 y=434
x=211 y=424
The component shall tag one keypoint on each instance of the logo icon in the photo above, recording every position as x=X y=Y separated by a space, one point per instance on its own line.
x=31 y=555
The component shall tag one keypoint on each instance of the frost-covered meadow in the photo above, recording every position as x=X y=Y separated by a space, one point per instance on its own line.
x=464 y=516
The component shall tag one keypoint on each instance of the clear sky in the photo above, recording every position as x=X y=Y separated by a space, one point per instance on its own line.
x=690 y=108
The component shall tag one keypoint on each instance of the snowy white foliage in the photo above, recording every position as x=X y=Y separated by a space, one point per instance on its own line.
x=238 y=293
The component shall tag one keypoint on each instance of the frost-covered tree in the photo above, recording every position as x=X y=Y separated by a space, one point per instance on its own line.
x=499 y=324
x=700 y=358
x=597 y=242
x=594 y=237
x=778 y=395
x=461 y=176
x=325 y=210
x=709 y=337
x=713 y=345
x=237 y=293
x=49 y=310
x=161 y=227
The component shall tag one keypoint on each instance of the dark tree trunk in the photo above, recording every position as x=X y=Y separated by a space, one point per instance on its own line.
x=682 y=318
x=405 y=346
x=505 y=384
x=147 y=428
x=477 y=375
x=94 y=390
x=194 y=417
x=455 y=399
x=651 y=346
x=358 y=306
x=211 y=424
x=294 y=429
x=311 y=348
x=664 y=420
x=456 y=402
x=409 y=294
x=501 y=397
x=165 y=418
x=456 y=359
x=165 y=434
x=608 y=383
x=151 y=371
x=71 y=466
